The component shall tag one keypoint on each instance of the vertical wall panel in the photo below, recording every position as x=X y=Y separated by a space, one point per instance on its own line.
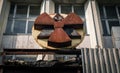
x=97 y=61
x=101 y=60
x=83 y=60
x=87 y=60
x=112 y=62
x=116 y=57
x=92 y=61
x=107 y=61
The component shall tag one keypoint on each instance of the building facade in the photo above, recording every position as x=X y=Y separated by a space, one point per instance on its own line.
x=101 y=21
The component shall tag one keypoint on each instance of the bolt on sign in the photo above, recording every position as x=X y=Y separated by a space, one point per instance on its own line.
x=55 y=31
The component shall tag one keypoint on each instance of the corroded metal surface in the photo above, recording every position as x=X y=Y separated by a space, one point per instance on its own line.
x=61 y=36
x=73 y=21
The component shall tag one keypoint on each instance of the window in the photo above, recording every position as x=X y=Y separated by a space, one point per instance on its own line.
x=110 y=16
x=21 y=18
x=67 y=8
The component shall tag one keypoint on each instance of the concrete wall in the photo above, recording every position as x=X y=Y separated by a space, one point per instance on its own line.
x=19 y=41
x=1 y=14
x=52 y=7
x=116 y=36
x=43 y=7
x=1 y=3
x=97 y=24
x=90 y=24
x=47 y=6
x=3 y=18
x=93 y=23
x=4 y=8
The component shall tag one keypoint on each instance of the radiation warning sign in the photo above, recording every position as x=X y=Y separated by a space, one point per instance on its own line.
x=56 y=31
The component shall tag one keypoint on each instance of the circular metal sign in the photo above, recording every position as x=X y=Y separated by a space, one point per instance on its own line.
x=43 y=42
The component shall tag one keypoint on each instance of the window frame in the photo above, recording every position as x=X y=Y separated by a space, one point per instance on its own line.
x=72 y=7
x=106 y=19
x=27 y=19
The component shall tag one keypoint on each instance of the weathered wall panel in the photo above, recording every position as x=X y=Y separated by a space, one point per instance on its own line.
x=116 y=36
x=32 y=43
x=112 y=61
x=100 y=60
x=97 y=61
x=107 y=62
x=117 y=59
x=7 y=41
x=107 y=41
x=19 y=41
x=27 y=41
